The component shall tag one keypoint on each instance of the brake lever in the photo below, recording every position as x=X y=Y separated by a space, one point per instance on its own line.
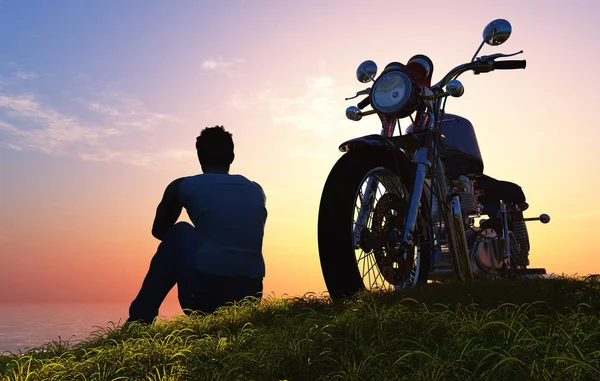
x=497 y=55
x=366 y=91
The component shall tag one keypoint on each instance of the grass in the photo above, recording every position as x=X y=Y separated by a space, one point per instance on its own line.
x=527 y=329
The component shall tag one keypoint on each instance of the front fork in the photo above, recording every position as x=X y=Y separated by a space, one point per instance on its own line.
x=423 y=165
x=455 y=231
x=365 y=210
x=367 y=203
x=460 y=244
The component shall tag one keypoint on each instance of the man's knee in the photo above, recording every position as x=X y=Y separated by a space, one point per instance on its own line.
x=179 y=231
x=183 y=226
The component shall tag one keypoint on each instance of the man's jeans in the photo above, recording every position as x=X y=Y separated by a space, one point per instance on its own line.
x=173 y=264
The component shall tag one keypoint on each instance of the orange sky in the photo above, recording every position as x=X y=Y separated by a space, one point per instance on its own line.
x=100 y=104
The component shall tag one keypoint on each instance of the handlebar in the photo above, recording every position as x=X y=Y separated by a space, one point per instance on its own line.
x=510 y=64
x=364 y=103
x=480 y=66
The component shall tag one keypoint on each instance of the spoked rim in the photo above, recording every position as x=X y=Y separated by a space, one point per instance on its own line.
x=380 y=260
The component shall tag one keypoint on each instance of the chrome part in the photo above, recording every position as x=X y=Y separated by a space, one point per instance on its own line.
x=421 y=157
x=543 y=218
x=420 y=67
x=359 y=93
x=366 y=207
x=388 y=126
x=520 y=230
x=453 y=74
x=469 y=205
x=424 y=63
x=520 y=257
x=485 y=255
x=380 y=261
x=428 y=96
x=455 y=88
x=391 y=92
x=353 y=113
x=366 y=71
x=466 y=183
x=432 y=199
x=462 y=256
x=423 y=166
x=443 y=223
x=392 y=258
x=504 y=217
x=492 y=57
x=476 y=52
x=497 y=32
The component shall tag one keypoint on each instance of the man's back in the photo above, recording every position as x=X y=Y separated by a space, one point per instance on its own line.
x=229 y=214
x=219 y=259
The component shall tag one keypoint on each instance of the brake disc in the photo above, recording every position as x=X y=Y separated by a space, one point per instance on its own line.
x=387 y=226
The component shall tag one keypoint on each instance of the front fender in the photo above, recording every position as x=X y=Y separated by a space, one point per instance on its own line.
x=410 y=142
x=366 y=141
x=377 y=142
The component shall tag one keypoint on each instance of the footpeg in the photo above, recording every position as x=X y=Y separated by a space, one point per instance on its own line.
x=543 y=218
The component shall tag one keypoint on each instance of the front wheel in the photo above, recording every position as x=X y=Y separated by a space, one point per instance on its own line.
x=361 y=218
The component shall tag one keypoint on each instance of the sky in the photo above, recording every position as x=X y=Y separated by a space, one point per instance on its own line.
x=101 y=101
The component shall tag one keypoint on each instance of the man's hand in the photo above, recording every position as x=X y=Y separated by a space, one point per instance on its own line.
x=168 y=210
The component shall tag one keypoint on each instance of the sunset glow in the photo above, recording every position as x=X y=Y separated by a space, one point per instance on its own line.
x=101 y=102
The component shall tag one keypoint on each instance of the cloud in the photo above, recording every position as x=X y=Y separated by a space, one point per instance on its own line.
x=241 y=101
x=221 y=65
x=122 y=110
x=96 y=123
x=26 y=75
x=319 y=110
x=137 y=158
x=15 y=72
x=44 y=128
x=312 y=121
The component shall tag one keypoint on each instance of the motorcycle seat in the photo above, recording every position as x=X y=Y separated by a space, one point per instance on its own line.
x=491 y=191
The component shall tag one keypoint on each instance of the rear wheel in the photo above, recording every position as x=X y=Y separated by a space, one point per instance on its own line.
x=361 y=219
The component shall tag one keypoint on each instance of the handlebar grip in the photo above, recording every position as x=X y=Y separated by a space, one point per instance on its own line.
x=364 y=103
x=510 y=64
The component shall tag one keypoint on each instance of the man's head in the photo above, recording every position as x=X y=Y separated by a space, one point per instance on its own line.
x=215 y=149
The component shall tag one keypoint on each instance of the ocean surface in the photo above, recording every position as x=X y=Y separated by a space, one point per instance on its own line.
x=30 y=325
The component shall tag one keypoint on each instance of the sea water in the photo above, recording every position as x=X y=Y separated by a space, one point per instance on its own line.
x=31 y=325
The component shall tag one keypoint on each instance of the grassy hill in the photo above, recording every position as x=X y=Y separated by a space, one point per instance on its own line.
x=526 y=329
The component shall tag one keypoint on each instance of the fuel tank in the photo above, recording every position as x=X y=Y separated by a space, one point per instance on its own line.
x=459 y=148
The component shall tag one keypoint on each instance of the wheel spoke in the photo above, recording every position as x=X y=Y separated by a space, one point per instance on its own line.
x=370 y=270
x=371 y=260
x=362 y=257
x=383 y=182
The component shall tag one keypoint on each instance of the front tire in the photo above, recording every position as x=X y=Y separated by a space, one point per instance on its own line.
x=356 y=256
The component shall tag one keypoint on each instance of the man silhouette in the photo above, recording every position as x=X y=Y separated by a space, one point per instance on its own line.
x=219 y=259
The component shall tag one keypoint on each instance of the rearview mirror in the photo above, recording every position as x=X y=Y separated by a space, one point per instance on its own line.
x=366 y=71
x=497 y=32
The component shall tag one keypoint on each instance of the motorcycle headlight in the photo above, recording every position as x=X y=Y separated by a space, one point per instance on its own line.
x=394 y=94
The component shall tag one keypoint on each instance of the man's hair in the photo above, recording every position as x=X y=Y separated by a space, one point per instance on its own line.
x=215 y=146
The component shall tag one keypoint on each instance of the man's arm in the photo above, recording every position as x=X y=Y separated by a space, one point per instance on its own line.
x=168 y=210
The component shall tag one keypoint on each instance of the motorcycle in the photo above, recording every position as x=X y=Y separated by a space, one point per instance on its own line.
x=400 y=210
